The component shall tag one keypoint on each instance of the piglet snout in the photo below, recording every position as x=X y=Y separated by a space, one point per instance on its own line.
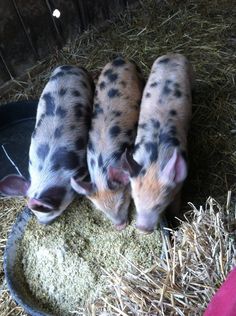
x=121 y=226
x=146 y=223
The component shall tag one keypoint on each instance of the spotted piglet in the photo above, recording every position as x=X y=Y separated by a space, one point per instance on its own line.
x=158 y=166
x=114 y=124
x=58 y=144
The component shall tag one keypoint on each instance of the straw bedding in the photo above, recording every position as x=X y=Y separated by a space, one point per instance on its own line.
x=202 y=249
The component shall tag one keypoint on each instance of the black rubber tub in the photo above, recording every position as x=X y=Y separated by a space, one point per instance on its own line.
x=13 y=270
x=17 y=122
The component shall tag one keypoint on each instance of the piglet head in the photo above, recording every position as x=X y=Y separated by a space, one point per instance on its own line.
x=50 y=203
x=113 y=200
x=153 y=189
x=47 y=205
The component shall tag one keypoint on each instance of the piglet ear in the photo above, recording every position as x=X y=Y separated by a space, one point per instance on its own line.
x=82 y=187
x=117 y=176
x=14 y=185
x=175 y=170
x=130 y=165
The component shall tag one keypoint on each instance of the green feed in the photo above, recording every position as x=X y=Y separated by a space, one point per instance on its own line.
x=64 y=263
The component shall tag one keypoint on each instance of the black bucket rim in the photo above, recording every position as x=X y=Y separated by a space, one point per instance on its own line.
x=9 y=259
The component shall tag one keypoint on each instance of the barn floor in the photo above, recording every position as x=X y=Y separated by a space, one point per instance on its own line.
x=204 y=31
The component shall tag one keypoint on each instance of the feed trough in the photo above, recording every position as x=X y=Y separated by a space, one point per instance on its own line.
x=13 y=273
x=56 y=269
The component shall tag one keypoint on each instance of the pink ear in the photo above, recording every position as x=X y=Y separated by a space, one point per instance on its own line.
x=40 y=206
x=118 y=175
x=82 y=187
x=14 y=185
x=175 y=169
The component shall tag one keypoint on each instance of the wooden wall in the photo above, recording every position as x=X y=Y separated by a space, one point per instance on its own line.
x=29 y=32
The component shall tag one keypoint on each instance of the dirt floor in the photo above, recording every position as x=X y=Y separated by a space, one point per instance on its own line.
x=204 y=31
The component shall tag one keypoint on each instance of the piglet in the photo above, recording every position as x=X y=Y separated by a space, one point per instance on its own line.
x=114 y=124
x=157 y=167
x=58 y=144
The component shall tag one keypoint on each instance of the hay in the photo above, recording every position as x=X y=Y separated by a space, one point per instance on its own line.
x=205 y=32
x=202 y=253
x=8 y=307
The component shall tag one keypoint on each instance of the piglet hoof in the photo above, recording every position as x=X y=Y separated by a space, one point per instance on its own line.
x=144 y=230
x=120 y=227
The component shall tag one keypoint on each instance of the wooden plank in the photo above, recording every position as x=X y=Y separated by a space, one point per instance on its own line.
x=14 y=44
x=40 y=26
x=5 y=74
x=29 y=31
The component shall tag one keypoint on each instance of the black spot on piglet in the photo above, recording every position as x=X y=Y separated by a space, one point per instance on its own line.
x=118 y=62
x=92 y=163
x=114 y=131
x=113 y=93
x=166 y=89
x=77 y=109
x=66 y=67
x=80 y=144
x=58 y=131
x=84 y=84
x=57 y=75
x=50 y=103
x=102 y=85
x=151 y=148
x=168 y=139
x=75 y=93
x=61 y=112
x=90 y=146
x=155 y=123
x=108 y=72
x=164 y=60
x=62 y=92
x=154 y=84
x=117 y=113
x=173 y=112
x=112 y=77
x=42 y=151
x=177 y=93
x=100 y=161
x=63 y=158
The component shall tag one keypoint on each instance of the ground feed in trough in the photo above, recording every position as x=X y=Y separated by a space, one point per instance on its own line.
x=205 y=32
x=63 y=263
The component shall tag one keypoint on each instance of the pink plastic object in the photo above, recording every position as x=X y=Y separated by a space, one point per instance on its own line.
x=223 y=302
